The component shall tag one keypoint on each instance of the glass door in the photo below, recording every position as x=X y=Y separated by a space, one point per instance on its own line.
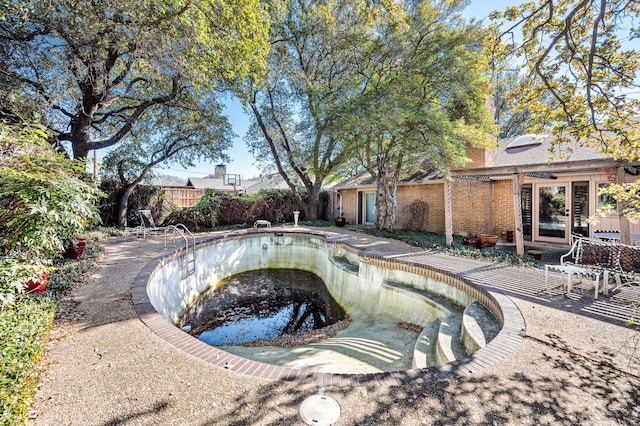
x=370 y=208
x=580 y=209
x=552 y=223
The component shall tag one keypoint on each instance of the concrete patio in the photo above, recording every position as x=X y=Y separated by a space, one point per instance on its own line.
x=103 y=366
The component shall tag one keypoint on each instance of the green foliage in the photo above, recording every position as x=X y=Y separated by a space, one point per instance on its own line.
x=629 y=193
x=220 y=209
x=142 y=197
x=311 y=66
x=202 y=216
x=438 y=242
x=96 y=69
x=580 y=68
x=23 y=328
x=44 y=204
x=423 y=98
x=579 y=80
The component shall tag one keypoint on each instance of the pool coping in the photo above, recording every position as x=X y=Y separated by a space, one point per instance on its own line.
x=502 y=346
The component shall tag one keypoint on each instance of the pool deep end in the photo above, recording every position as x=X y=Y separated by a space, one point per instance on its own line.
x=357 y=281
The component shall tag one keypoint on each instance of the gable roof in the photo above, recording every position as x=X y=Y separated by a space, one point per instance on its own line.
x=538 y=150
x=425 y=173
x=538 y=155
x=208 y=183
x=530 y=154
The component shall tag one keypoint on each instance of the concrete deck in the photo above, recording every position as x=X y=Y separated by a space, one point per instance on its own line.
x=103 y=366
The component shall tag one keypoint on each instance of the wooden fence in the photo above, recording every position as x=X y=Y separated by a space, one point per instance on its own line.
x=183 y=197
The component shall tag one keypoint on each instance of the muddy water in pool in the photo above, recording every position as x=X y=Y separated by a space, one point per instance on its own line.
x=262 y=305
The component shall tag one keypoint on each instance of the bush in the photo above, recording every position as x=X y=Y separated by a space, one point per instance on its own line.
x=23 y=328
x=221 y=209
x=438 y=242
x=44 y=205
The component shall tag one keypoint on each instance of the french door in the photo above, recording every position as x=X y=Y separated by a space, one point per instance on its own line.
x=553 y=215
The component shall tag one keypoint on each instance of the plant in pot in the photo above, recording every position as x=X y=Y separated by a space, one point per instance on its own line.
x=19 y=276
x=75 y=248
x=488 y=240
x=45 y=203
x=473 y=241
x=340 y=219
x=36 y=285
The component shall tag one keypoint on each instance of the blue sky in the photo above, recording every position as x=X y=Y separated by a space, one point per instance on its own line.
x=243 y=162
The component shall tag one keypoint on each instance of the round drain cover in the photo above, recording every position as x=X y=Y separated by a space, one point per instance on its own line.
x=319 y=410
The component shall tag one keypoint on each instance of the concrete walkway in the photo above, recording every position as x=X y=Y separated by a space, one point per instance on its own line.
x=103 y=366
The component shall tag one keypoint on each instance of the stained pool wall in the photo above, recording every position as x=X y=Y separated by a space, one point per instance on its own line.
x=361 y=284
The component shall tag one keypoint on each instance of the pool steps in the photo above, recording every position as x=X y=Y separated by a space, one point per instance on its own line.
x=458 y=334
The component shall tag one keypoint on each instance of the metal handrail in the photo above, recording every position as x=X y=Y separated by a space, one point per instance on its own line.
x=178 y=229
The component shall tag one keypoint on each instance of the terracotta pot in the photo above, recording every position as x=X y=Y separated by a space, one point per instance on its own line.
x=36 y=285
x=75 y=249
x=472 y=241
x=488 y=240
x=340 y=221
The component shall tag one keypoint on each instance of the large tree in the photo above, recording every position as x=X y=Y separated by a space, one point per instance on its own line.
x=183 y=131
x=583 y=54
x=580 y=65
x=98 y=70
x=423 y=98
x=311 y=68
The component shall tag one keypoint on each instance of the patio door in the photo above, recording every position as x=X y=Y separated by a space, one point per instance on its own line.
x=366 y=207
x=370 y=209
x=552 y=222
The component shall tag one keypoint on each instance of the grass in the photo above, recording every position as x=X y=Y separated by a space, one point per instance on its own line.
x=24 y=327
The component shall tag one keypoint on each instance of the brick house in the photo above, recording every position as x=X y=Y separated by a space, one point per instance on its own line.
x=556 y=197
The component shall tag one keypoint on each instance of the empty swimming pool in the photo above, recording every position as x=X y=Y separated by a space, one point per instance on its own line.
x=408 y=321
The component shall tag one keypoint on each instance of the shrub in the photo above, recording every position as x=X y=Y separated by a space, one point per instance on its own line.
x=221 y=209
x=44 y=204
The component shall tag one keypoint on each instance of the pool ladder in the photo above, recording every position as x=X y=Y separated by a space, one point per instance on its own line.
x=190 y=254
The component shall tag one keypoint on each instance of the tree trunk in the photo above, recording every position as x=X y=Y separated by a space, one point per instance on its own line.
x=123 y=204
x=386 y=191
x=312 y=202
x=81 y=135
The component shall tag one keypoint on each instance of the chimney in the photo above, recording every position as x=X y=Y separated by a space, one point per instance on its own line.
x=221 y=170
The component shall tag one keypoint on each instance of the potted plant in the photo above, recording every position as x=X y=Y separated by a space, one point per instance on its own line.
x=36 y=285
x=488 y=240
x=76 y=248
x=473 y=241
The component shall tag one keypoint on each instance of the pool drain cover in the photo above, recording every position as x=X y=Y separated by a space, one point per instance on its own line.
x=319 y=410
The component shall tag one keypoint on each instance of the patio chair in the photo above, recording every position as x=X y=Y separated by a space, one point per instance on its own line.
x=628 y=271
x=591 y=259
x=147 y=224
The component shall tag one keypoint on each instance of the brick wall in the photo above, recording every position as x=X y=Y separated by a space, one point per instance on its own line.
x=478 y=207
x=503 y=216
x=471 y=205
x=349 y=206
x=432 y=195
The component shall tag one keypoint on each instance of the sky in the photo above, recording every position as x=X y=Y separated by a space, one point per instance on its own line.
x=242 y=162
